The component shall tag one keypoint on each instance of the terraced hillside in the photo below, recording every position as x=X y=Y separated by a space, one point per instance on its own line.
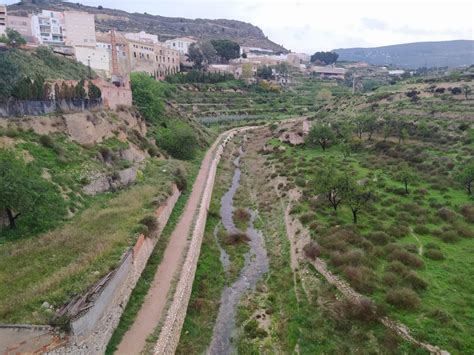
x=375 y=228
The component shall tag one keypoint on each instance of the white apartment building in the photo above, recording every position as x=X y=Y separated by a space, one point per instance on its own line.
x=49 y=27
x=180 y=44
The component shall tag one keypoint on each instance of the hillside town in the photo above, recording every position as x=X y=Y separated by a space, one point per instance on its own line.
x=113 y=55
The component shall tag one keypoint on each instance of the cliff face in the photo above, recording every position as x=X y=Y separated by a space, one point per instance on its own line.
x=165 y=27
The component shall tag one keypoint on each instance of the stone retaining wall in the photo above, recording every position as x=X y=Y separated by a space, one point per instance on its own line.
x=171 y=330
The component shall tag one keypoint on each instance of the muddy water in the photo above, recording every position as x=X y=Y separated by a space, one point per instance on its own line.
x=256 y=265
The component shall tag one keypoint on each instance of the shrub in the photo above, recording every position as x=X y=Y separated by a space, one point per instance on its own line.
x=399 y=231
x=434 y=254
x=153 y=151
x=379 y=238
x=46 y=141
x=312 y=250
x=180 y=179
x=390 y=279
x=403 y=298
x=307 y=217
x=179 y=140
x=361 y=278
x=150 y=222
x=253 y=330
x=446 y=214
x=406 y=258
x=421 y=229
x=468 y=212
x=363 y=309
x=448 y=236
x=236 y=238
x=396 y=267
x=242 y=215
x=414 y=281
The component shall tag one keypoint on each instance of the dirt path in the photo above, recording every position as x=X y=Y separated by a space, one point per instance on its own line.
x=153 y=306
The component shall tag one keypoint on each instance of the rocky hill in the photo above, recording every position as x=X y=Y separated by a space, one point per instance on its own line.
x=165 y=27
x=414 y=55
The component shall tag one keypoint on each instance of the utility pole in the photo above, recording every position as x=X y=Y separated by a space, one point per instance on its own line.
x=89 y=67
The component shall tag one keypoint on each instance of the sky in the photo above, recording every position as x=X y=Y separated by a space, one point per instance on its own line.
x=308 y=26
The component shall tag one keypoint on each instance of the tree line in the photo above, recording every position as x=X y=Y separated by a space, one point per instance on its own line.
x=203 y=53
x=37 y=89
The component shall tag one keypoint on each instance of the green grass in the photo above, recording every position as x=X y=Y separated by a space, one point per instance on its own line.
x=450 y=287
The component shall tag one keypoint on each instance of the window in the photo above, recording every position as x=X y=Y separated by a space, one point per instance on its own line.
x=134 y=54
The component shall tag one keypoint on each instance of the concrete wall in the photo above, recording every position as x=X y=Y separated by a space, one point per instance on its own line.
x=171 y=330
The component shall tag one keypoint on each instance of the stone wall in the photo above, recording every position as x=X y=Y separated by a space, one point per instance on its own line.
x=16 y=108
x=97 y=313
x=171 y=330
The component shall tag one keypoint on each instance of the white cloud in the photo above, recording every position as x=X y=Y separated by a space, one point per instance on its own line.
x=308 y=25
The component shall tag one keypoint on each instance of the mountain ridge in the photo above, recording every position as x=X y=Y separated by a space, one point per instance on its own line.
x=414 y=55
x=166 y=28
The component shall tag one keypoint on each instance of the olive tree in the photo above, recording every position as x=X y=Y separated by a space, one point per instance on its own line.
x=356 y=195
x=23 y=192
x=465 y=176
x=320 y=134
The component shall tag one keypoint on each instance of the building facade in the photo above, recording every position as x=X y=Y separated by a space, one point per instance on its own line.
x=3 y=18
x=23 y=25
x=180 y=44
x=142 y=36
x=49 y=27
x=79 y=29
x=167 y=61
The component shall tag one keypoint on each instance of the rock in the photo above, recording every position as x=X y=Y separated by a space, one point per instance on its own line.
x=132 y=154
x=99 y=185
x=128 y=176
x=45 y=305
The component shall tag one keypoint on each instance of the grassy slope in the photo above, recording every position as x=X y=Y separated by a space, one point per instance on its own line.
x=56 y=265
x=443 y=318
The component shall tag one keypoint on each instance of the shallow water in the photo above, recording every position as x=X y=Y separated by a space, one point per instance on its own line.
x=256 y=265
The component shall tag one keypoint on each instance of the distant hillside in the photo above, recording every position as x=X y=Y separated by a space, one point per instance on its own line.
x=165 y=27
x=414 y=55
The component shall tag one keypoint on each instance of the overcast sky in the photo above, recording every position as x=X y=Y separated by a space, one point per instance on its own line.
x=305 y=25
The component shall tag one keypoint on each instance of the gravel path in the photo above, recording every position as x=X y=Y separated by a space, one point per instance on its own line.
x=155 y=301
